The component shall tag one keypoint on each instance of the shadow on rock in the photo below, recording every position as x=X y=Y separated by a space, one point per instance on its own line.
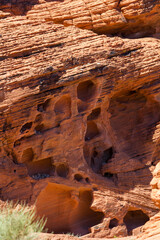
x=17 y=7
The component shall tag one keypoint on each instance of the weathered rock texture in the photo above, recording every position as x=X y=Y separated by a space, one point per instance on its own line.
x=80 y=111
x=151 y=230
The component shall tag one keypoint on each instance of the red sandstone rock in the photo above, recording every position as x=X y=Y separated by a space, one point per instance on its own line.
x=151 y=229
x=127 y=17
x=80 y=110
x=67 y=209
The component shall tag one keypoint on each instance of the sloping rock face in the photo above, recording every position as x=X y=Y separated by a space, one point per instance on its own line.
x=80 y=111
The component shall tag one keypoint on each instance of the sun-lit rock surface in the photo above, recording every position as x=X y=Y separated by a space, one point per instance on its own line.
x=80 y=109
x=131 y=18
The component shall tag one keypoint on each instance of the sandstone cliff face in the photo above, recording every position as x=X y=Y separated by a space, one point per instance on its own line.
x=80 y=111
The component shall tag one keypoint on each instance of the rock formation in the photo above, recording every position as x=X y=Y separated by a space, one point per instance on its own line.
x=80 y=111
x=151 y=230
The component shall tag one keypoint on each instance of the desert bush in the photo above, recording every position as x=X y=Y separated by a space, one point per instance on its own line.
x=19 y=222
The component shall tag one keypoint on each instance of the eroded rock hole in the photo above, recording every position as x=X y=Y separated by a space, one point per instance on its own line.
x=67 y=209
x=108 y=175
x=62 y=170
x=86 y=90
x=27 y=155
x=43 y=106
x=113 y=223
x=78 y=177
x=84 y=217
x=92 y=131
x=26 y=127
x=40 y=169
x=96 y=158
x=63 y=107
x=107 y=155
x=87 y=180
x=94 y=114
x=134 y=219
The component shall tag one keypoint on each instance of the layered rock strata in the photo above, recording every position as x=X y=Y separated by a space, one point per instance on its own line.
x=80 y=110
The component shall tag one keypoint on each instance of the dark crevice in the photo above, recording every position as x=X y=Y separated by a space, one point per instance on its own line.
x=134 y=219
x=94 y=114
x=17 y=143
x=24 y=54
x=54 y=45
x=92 y=131
x=108 y=175
x=87 y=180
x=26 y=127
x=2 y=58
x=107 y=155
x=113 y=223
x=84 y=218
x=125 y=52
x=62 y=170
x=111 y=176
x=97 y=159
x=40 y=169
x=97 y=70
x=78 y=177
x=93 y=164
x=45 y=81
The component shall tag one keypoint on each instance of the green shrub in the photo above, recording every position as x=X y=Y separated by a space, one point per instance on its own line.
x=19 y=222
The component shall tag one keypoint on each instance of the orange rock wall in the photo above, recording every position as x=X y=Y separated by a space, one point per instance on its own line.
x=79 y=107
x=67 y=209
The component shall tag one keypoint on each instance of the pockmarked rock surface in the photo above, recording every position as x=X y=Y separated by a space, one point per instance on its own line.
x=151 y=230
x=80 y=111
